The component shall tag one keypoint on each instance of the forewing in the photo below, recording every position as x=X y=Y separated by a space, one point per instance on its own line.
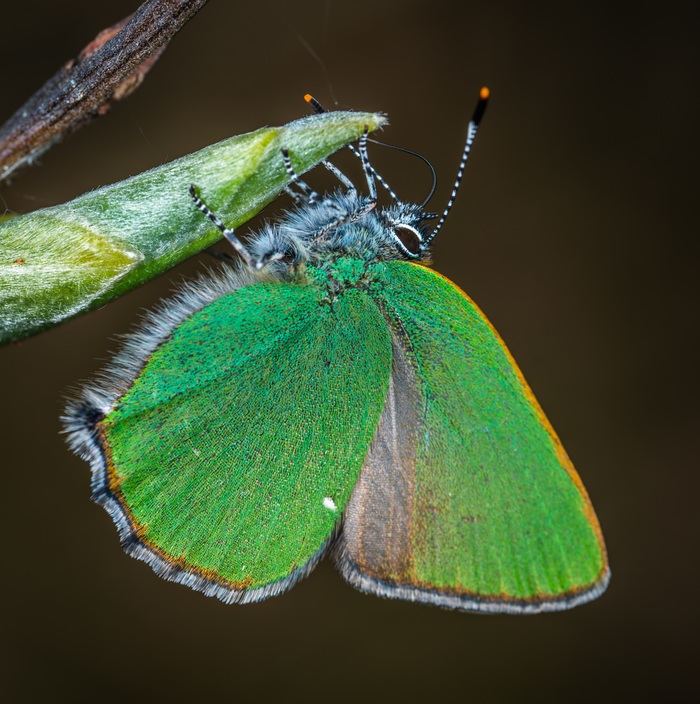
x=467 y=498
x=229 y=461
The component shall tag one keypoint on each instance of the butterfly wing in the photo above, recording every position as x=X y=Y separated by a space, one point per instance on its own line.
x=229 y=461
x=467 y=498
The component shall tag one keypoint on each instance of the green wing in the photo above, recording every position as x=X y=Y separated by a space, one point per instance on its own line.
x=467 y=498
x=228 y=463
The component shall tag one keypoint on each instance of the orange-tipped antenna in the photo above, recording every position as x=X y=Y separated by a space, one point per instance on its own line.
x=317 y=107
x=484 y=94
x=472 y=129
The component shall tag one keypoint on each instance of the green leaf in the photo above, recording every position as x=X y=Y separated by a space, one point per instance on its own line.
x=59 y=262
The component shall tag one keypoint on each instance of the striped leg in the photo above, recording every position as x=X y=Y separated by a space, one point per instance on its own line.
x=226 y=231
x=340 y=176
x=310 y=194
x=307 y=193
x=296 y=197
x=369 y=171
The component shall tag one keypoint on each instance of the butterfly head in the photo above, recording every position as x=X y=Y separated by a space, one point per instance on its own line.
x=406 y=226
x=346 y=221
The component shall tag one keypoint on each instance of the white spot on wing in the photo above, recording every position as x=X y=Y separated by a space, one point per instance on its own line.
x=329 y=503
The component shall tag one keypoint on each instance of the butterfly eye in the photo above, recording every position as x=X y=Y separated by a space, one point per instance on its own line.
x=409 y=239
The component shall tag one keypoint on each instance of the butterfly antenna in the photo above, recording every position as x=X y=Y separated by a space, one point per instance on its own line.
x=319 y=109
x=471 y=134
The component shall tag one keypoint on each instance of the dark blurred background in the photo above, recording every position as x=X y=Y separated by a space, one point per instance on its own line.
x=576 y=233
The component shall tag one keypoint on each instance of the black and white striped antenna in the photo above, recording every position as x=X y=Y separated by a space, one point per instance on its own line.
x=472 y=129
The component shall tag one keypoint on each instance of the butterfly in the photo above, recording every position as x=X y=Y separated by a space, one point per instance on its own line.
x=330 y=393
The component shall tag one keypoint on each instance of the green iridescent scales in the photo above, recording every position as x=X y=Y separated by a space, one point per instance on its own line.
x=237 y=450
x=499 y=510
x=239 y=444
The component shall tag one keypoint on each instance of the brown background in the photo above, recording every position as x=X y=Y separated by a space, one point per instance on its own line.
x=575 y=232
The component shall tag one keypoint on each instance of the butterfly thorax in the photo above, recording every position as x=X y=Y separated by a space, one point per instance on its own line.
x=341 y=224
x=337 y=275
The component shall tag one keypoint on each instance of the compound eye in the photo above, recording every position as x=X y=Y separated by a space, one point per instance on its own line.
x=409 y=238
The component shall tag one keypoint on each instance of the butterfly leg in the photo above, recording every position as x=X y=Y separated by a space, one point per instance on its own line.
x=296 y=197
x=369 y=171
x=307 y=191
x=226 y=231
x=340 y=176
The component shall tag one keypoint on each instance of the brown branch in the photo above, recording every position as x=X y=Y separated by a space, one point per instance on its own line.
x=112 y=66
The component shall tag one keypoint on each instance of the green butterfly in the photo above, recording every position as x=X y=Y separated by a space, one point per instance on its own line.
x=332 y=394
